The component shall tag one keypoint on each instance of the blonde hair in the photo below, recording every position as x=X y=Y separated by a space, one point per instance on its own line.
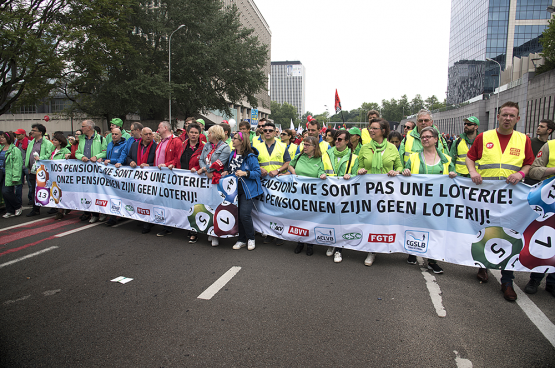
x=217 y=131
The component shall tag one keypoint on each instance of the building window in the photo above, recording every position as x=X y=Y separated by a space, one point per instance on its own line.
x=58 y=105
x=28 y=109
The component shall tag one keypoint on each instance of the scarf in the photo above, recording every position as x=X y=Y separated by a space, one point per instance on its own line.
x=377 y=164
x=143 y=159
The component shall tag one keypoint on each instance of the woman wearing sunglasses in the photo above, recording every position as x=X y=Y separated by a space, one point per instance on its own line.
x=342 y=162
x=378 y=157
x=430 y=161
x=287 y=136
x=308 y=163
x=243 y=163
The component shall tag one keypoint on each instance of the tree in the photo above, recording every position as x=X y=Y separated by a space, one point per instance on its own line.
x=283 y=114
x=416 y=104
x=432 y=103
x=547 y=40
x=40 y=43
x=214 y=61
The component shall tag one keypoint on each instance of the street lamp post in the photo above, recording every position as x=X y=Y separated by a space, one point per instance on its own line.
x=170 y=72
x=498 y=85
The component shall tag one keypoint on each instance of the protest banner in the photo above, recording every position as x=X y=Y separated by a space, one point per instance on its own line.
x=174 y=198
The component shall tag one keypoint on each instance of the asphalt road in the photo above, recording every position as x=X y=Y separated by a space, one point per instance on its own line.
x=59 y=308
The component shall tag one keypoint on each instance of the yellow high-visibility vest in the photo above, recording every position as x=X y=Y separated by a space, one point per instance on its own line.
x=497 y=165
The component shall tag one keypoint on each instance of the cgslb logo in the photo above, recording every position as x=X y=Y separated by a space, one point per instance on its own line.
x=417 y=241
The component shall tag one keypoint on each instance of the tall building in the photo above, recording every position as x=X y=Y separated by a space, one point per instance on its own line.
x=502 y=30
x=288 y=84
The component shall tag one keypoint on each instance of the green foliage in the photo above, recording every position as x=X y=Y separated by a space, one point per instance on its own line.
x=283 y=114
x=547 y=40
x=43 y=40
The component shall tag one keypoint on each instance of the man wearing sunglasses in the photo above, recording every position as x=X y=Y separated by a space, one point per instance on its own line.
x=463 y=144
x=412 y=144
x=273 y=158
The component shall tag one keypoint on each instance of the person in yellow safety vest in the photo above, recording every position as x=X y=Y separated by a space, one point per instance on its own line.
x=463 y=144
x=313 y=130
x=433 y=162
x=287 y=136
x=342 y=162
x=273 y=158
x=502 y=154
x=412 y=143
x=365 y=134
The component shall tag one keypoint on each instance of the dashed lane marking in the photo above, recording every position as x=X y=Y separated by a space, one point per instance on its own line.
x=77 y=230
x=27 y=256
x=25 y=224
x=220 y=283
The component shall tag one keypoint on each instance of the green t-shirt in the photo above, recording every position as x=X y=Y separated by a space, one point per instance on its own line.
x=311 y=167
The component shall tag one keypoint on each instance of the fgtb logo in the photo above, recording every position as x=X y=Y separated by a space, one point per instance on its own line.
x=417 y=241
x=381 y=238
x=143 y=211
x=324 y=235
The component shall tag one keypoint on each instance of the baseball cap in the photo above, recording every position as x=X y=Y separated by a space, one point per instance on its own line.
x=473 y=119
x=20 y=131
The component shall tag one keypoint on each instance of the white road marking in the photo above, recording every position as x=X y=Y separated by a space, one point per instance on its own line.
x=25 y=223
x=220 y=283
x=77 y=230
x=27 y=256
x=546 y=327
x=433 y=289
x=122 y=223
x=17 y=300
x=51 y=292
x=461 y=363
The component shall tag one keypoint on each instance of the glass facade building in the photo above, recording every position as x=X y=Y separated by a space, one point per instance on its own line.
x=495 y=29
x=287 y=84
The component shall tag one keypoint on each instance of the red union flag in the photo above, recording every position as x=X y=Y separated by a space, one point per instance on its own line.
x=337 y=103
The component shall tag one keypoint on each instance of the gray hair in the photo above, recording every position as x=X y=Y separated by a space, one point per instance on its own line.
x=430 y=129
x=166 y=124
x=137 y=125
x=424 y=112
x=89 y=123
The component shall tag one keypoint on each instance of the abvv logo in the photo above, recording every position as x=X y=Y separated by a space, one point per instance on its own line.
x=101 y=202
x=417 y=241
x=324 y=235
x=299 y=231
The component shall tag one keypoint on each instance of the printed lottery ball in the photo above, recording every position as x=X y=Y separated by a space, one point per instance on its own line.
x=542 y=198
x=495 y=246
x=227 y=188
x=225 y=220
x=42 y=196
x=42 y=176
x=56 y=193
x=539 y=244
x=200 y=217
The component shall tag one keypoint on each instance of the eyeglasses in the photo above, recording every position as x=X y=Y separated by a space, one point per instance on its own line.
x=308 y=145
x=268 y=130
x=426 y=137
x=375 y=128
x=424 y=120
x=339 y=139
x=469 y=124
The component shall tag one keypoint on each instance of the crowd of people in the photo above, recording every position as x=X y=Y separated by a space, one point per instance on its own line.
x=269 y=152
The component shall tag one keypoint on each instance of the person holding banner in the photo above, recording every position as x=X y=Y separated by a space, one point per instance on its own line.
x=243 y=163
x=212 y=160
x=488 y=150
x=38 y=149
x=342 y=162
x=463 y=144
x=430 y=161
x=287 y=136
x=412 y=142
x=308 y=163
x=378 y=156
x=116 y=152
x=60 y=152
x=11 y=167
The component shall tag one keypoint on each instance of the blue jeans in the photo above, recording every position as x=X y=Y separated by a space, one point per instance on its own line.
x=246 y=227
x=24 y=175
x=539 y=276
x=507 y=276
x=13 y=201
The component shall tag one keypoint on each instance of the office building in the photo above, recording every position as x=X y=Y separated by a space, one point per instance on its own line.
x=502 y=30
x=288 y=84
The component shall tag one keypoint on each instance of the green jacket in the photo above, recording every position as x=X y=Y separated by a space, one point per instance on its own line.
x=13 y=166
x=61 y=154
x=98 y=148
x=390 y=159
x=340 y=167
x=46 y=148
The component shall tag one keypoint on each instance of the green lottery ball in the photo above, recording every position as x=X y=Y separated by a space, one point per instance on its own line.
x=201 y=218
x=495 y=246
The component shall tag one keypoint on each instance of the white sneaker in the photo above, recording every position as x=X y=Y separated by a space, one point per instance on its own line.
x=210 y=238
x=215 y=241
x=102 y=217
x=370 y=259
x=93 y=219
x=337 y=257
x=329 y=252
x=8 y=215
x=19 y=211
x=251 y=244
x=239 y=245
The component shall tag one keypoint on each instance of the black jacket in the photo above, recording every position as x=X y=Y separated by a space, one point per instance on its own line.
x=132 y=154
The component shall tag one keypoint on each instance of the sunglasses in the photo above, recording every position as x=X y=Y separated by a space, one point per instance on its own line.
x=469 y=124
x=339 y=139
x=268 y=130
x=283 y=134
x=424 y=120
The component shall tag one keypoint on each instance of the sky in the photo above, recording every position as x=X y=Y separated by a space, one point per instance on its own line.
x=368 y=50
